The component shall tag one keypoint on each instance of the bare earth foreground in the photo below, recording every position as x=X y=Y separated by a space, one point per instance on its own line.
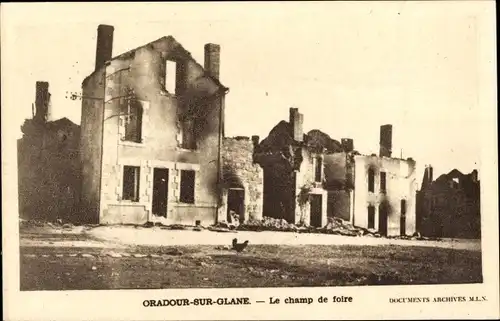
x=126 y=257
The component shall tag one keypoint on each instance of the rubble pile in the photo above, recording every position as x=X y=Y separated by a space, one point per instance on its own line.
x=268 y=224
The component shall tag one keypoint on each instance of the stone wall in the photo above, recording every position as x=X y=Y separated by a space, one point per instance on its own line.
x=49 y=173
x=240 y=172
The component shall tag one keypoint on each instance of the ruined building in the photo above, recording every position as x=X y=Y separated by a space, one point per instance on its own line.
x=293 y=167
x=450 y=205
x=48 y=163
x=309 y=177
x=379 y=191
x=151 y=133
x=242 y=191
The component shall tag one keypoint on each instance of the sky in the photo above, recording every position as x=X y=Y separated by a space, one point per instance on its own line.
x=348 y=67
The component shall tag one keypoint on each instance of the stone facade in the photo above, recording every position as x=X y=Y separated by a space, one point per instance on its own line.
x=450 y=205
x=393 y=207
x=370 y=191
x=48 y=165
x=293 y=165
x=132 y=88
x=240 y=172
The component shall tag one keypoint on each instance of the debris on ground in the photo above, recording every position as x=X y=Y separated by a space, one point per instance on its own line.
x=335 y=226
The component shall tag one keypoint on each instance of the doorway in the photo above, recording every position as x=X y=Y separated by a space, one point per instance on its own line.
x=316 y=209
x=382 y=220
x=402 y=225
x=235 y=203
x=160 y=191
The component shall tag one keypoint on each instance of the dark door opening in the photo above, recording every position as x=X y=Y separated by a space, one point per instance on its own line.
x=382 y=220
x=160 y=191
x=235 y=203
x=402 y=225
x=402 y=220
x=316 y=209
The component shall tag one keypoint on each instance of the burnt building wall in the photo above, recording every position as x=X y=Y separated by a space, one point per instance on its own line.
x=49 y=171
x=240 y=172
x=451 y=209
x=91 y=146
x=139 y=75
x=397 y=199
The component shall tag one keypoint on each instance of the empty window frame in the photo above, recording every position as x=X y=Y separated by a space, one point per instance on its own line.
x=132 y=111
x=318 y=169
x=371 y=180
x=170 y=76
x=188 y=133
x=187 y=186
x=131 y=179
x=383 y=182
x=403 y=207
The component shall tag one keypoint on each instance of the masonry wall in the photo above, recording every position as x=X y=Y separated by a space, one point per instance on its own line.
x=306 y=177
x=448 y=212
x=339 y=183
x=142 y=71
x=49 y=175
x=400 y=184
x=91 y=146
x=240 y=171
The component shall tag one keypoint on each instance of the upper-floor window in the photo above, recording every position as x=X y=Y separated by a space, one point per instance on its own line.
x=188 y=134
x=371 y=180
x=171 y=76
x=133 y=111
x=318 y=169
x=383 y=182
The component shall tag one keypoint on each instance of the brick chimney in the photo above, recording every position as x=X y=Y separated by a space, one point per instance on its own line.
x=385 y=141
x=347 y=144
x=255 y=140
x=474 y=176
x=296 y=122
x=212 y=59
x=42 y=100
x=104 y=48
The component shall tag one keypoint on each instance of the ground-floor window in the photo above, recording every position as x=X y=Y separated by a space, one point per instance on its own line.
x=187 y=186
x=371 y=216
x=131 y=178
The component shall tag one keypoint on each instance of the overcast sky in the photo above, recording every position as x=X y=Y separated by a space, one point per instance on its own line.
x=348 y=67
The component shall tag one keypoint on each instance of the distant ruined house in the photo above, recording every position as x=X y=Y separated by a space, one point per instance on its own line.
x=48 y=164
x=450 y=205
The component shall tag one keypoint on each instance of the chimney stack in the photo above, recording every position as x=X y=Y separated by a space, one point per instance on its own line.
x=104 y=48
x=385 y=141
x=42 y=100
x=474 y=176
x=296 y=122
x=255 y=140
x=347 y=144
x=212 y=59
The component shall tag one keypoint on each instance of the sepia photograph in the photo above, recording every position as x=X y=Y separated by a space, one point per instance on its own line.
x=234 y=146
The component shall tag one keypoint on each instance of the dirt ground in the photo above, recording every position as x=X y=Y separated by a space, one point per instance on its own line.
x=78 y=258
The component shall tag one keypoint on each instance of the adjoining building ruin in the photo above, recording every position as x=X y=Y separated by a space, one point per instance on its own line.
x=450 y=205
x=48 y=163
x=242 y=192
x=309 y=177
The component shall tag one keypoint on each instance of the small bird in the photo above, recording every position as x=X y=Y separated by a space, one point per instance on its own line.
x=239 y=247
